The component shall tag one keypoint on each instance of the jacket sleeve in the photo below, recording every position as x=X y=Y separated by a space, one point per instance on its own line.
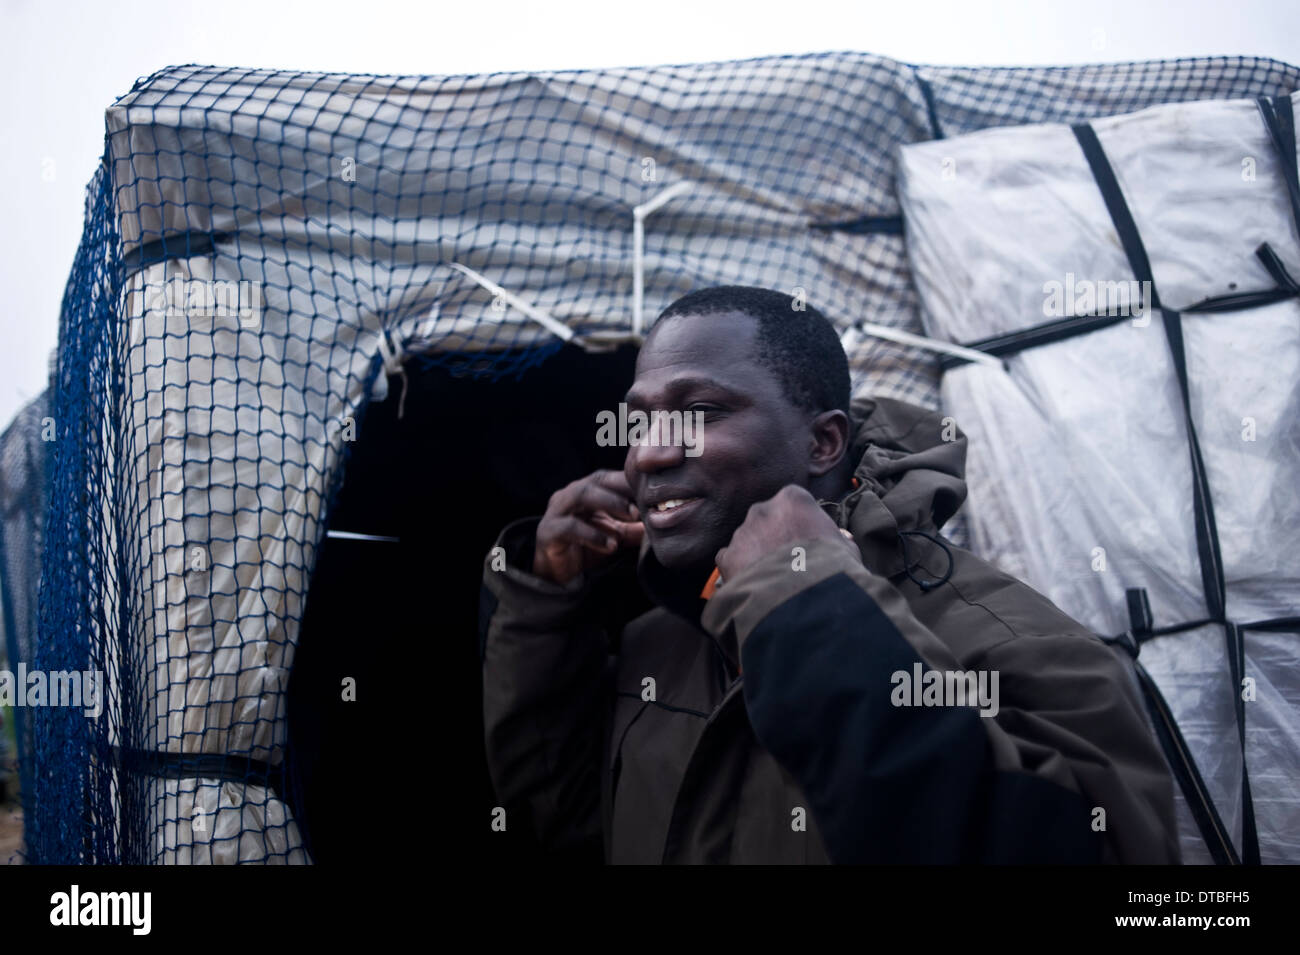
x=820 y=650
x=544 y=699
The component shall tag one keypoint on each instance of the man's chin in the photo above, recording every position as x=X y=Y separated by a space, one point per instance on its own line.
x=684 y=558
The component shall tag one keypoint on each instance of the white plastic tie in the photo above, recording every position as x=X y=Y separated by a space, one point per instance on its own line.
x=353 y=536
x=639 y=215
x=930 y=344
x=393 y=366
x=553 y=325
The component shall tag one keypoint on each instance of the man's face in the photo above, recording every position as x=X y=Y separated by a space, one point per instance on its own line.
x=753 y=441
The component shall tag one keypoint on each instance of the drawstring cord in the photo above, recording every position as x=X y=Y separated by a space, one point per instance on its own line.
x=925 y=585
x=845 y=506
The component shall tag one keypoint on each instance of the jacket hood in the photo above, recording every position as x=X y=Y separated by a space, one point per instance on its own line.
x=910 y=477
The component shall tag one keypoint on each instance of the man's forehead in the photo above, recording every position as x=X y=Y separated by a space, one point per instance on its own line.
x=690 y=351
x=716 y=340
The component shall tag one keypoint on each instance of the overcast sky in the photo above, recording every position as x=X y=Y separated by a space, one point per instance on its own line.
x=64 y=64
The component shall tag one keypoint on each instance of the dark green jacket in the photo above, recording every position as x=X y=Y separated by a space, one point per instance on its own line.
x=775 y=732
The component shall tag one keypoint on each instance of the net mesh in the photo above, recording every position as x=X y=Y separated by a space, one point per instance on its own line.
x=261 y=247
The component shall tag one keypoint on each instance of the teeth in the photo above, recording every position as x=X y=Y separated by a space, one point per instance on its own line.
x=669 y=505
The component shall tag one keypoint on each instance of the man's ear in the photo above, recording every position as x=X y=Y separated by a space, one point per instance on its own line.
x=830 y=442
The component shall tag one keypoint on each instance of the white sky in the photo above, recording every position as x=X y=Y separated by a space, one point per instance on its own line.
x=62 y=64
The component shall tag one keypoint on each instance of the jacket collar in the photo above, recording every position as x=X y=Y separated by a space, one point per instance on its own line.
x=910 y=477
x=676 y=592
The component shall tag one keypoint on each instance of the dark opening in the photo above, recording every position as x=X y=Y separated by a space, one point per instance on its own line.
x=400 y=773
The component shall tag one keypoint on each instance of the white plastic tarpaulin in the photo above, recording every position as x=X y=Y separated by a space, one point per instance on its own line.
x=1089 y=477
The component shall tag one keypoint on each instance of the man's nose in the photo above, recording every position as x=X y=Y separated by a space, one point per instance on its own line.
x=657 y=451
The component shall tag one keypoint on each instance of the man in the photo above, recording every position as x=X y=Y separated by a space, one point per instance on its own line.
x=790 y=697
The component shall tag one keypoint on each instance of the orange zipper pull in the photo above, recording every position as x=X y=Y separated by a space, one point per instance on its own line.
x=711 y=585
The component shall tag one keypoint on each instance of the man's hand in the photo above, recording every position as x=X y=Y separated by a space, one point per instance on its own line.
x=791 y=515
x=585 y=524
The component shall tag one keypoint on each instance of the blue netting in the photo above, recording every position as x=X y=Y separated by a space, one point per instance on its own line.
x=199 y=445
x=72 y=816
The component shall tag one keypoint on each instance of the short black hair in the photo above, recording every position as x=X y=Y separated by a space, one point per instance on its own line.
x=797 y=342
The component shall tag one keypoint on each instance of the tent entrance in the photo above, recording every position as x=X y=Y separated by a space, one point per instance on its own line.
x=399 y=771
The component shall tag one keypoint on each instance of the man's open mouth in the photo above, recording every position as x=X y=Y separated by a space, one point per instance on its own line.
x=671 y=512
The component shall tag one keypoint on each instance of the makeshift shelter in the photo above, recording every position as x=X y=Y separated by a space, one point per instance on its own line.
x=263 y=250
x=1135 y=457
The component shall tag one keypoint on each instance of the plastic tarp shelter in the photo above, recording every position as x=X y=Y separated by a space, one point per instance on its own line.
x=263 y=249
x=1135 y=457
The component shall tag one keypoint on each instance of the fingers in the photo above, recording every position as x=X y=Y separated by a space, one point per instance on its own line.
x=632 y=534
x=606 y=491
x=568 y=529
x=629 y=533
x=595 y=514
x=615 y=481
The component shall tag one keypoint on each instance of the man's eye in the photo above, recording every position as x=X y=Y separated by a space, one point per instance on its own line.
x=705 y=408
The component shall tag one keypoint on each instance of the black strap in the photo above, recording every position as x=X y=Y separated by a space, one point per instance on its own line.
x=1140 y=618
x=1207 y=536
x=931 y=111
x=1233 y=301
x=1120 y=216
x=1185 y=772
x=1276 y=269
x=1057 y=330
x=1177 y=754
x=1207 y=533
x=1279 y=118
x=863 y=225
x=1237 y=663
x=231 y=769
x=181 y=245
x=1276 y=625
